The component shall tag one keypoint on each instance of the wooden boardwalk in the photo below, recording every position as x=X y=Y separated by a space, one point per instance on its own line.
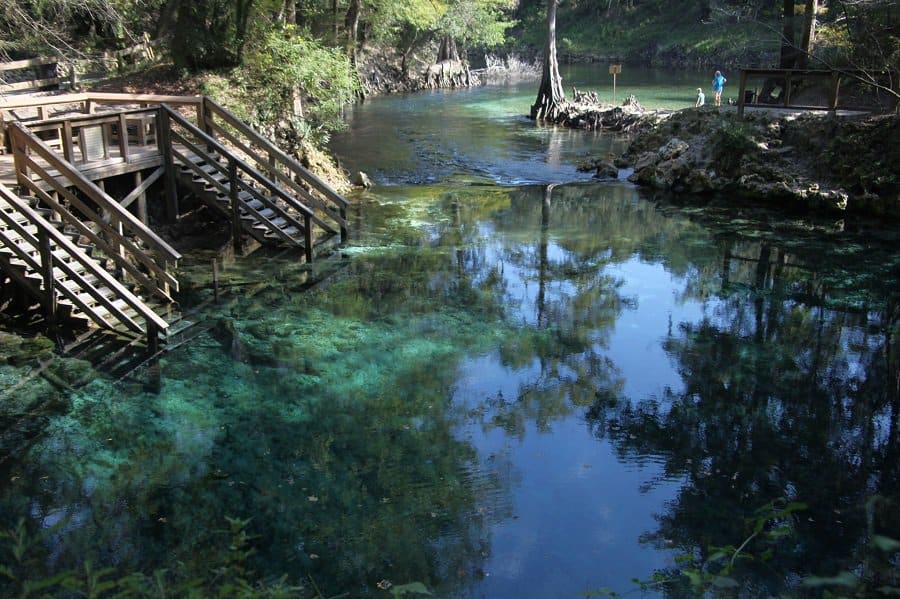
x=59 y=156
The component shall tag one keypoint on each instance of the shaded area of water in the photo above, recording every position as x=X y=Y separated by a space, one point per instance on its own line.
x=505 y=391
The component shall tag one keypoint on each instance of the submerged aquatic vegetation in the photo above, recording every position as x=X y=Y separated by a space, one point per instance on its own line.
x=486 y=377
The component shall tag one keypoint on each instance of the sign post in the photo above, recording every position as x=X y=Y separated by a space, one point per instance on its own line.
x=614 y=69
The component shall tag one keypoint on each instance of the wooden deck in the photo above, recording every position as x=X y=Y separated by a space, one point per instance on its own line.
x=95 y=170
x=56 y=155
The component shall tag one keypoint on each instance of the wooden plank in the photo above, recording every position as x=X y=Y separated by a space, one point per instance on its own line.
x=14 y=65
x=141 y=188
x=31 y=84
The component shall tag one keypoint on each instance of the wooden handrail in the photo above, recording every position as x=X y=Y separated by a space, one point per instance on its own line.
x=87 y=186
x=789 y=76
x=243 y=185
x=252 y=172
x=276 y=155
x=100 y=98
x=87 y=120
x=70 y=249
x=25 y=142
x=109 y=248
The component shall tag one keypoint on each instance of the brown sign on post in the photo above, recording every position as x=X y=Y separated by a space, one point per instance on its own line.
x=614 y=69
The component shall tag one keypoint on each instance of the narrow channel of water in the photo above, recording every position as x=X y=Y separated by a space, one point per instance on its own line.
x=508 y=389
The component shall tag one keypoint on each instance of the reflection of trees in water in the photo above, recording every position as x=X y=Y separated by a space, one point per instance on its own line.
x=790 y=391
x=787 y=379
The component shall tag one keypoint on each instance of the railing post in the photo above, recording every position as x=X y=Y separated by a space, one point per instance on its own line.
x=152 y=338
x=68 y=142
x=307 y=237
x=164 y=143
x=742 y=93
x=835 y=88
x=343 y=213
x=123 y=139
x=205 y=116
x=20 y=155
x=236 y=232
x=50 y=303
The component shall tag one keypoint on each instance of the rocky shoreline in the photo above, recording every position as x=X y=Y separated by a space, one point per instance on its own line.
x=846 y=165
x=805 y=161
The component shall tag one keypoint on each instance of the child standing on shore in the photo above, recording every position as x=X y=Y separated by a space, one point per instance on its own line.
x=718 y=84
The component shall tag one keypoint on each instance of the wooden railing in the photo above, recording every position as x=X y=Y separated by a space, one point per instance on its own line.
x=37 y=80
x=329 y=206
x=192 y=148
x=66 y=73
x=58 y=256
x=118 y=232
x=38 y=109
x=94 y=136
x=788 y=80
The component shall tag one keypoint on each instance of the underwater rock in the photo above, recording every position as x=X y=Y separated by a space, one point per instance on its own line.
x=24 y=350
x=73 y=372
x=603 y=169
x=606 y=170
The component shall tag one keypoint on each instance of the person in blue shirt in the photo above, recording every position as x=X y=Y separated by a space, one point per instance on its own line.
x=718 y=84
x=700 y=98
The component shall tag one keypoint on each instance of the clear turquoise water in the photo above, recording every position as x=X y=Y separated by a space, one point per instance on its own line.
x=504 y=390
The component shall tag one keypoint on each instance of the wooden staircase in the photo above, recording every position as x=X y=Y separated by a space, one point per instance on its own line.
x=49 y=264
x=262 y=191
x=82 y=254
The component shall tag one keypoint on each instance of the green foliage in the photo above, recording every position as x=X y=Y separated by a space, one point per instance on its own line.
x=23 y=573
x=288 y=77
x=479 y=23
x=719 y=570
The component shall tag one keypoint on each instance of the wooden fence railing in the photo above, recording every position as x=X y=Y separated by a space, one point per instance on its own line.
x=54 y=72
x=58 y=254
x=787 y=81
x=29 y=109
x=190 y=146
x=330 y=207
x=113 y=229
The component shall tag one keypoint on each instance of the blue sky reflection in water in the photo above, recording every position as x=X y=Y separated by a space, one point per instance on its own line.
x=500 y=393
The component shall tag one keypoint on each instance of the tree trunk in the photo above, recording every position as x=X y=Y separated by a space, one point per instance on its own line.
x=334 y=15
x=167 y=17
x=788 y=45
x=353 y=28
x=809 y=32
x=289 y=12
x=447 y=50
x=242 y=12
x=550 y=95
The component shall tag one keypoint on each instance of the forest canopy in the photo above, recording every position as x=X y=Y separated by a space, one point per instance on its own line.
x=215 y=33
